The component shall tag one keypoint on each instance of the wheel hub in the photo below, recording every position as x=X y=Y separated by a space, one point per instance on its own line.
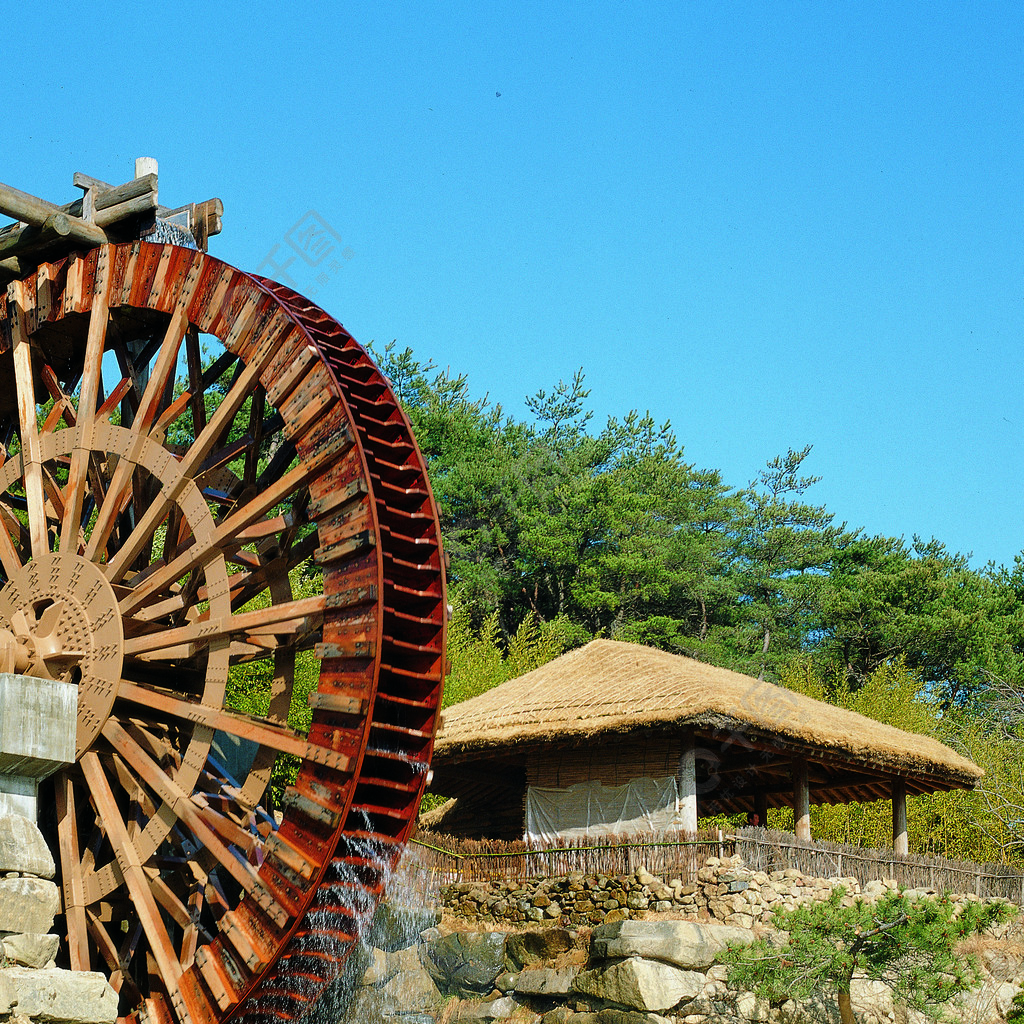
x=59 y=620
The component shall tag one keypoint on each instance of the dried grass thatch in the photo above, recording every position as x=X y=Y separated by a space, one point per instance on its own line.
x=609 y=688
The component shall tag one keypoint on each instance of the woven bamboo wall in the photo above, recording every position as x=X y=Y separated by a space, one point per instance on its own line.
x=651 y=756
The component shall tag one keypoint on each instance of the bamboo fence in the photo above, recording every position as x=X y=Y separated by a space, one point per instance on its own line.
x=445 y=860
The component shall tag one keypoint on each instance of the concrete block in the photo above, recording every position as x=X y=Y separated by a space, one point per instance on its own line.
x=38 y=721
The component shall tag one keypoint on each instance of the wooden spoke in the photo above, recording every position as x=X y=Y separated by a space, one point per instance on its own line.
x=191 y=462
x=33 y=470
x=189 y=815
x=92 y=376
x=268 y=734
x=71 y=873
x=131 y=869
x=223 y=538
x=10 y=527
x=144 y=417
x=276 y=620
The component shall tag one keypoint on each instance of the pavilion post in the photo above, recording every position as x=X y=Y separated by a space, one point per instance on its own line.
x=900 y=841
x=688 y=782
x=761 y=809
x=801 y=801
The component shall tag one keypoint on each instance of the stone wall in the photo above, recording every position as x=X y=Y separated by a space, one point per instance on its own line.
x=725 y=891
x=31 y=986
x=634 y=950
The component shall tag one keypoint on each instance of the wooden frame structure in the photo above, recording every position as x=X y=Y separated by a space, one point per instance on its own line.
x=158 y=511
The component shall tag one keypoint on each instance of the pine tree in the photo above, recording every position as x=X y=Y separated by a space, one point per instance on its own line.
x=909 y=944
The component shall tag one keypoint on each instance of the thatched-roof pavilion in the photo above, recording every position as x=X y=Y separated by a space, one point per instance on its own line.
x=613 y=712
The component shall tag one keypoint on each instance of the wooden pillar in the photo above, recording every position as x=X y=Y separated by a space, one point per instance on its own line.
x=688 y=782
x=900 y=843
x=761 y=808
x=801 y=800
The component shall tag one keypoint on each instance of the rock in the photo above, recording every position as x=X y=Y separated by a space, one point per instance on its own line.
x=546 y=981
x=749 y=1007
x=496 y=1009
x=613 y=1016
x=397 y=927
x=522 y=948
x=79 y=997
x=640 y=984
x=378 y=972
x=30 y=949
x=27 y=904
x=559 y=1015
x=407 y=992
x=465 y=964
x=987 y=1003
x=22 y=847
x=7 y=994
x=683 y=943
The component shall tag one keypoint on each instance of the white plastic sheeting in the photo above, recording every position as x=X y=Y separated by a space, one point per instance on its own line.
x=590 y=809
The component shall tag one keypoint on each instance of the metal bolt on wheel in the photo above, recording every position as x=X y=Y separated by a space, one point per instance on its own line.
x=149 y=539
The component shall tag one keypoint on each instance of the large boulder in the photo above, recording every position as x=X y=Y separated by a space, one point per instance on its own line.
x=465 y=964
x=397 y=927
x=640 y=984
x=523 y=948
x=22 y=847
x=546 y=981
x=60 y=997
x=27 y=904
x=683 y=943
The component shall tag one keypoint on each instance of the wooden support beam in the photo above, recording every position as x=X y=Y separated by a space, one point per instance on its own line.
x=688 y=782
x=900 y=842
x=122 y=211
x=36 y=212
x=801 y=801
x=761 y=809
x=113 y=195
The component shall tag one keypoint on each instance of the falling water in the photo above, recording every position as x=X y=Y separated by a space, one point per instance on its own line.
x=394 y=990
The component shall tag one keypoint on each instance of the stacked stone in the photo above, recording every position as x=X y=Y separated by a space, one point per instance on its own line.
x=626 y=972
x=29 y=900
x=31 y=986
x=724 y=891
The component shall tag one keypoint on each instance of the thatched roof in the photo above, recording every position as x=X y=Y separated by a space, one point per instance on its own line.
x=609 y=688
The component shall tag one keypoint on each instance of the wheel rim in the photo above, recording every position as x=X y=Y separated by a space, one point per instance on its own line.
x=142 y=559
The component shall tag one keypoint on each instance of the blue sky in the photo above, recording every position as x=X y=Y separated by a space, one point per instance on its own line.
x=774 y=224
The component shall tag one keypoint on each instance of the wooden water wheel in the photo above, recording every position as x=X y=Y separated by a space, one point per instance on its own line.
x=205 y=478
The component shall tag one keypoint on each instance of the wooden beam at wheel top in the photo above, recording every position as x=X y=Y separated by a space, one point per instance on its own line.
x=32 y=210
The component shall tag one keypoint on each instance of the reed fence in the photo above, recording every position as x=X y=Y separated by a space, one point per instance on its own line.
x=443 y=860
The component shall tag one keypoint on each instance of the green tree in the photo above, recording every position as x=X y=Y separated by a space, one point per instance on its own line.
x=910 y=945
x=785 y=549
x=952 y=625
